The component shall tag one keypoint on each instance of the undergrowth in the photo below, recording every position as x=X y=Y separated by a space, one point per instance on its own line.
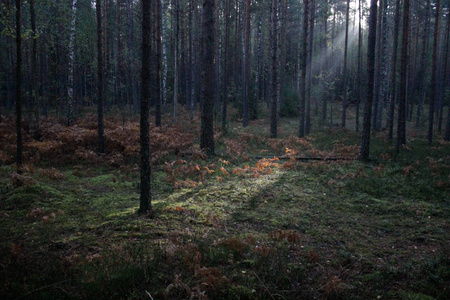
x=262 y=220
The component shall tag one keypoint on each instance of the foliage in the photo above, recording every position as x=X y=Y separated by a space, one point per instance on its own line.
x=225 y=228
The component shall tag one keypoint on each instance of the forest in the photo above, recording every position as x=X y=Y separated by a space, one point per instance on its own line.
x=225 y=149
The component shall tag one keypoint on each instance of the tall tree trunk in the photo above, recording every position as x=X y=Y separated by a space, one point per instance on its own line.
x=390 y=119
x=157 y=84
x=377 y=84
x=19 y=155
x=310 y=67
x=325 y=70
x=131 y=54
x=359 y=81
x=273 y=42
x=423 y=66
x=281 y=81
x=401 y=126
x=145 y=193
x=443 y=76
x=434 y=93
x=301 y=127
x=344 y=100
x=71 y=62
x=446 y=78
x=100 y=96
x=217 y=57
x=365 y=143
x=164 y=54
x=246 y=64
x=207 y=78
x=226 y=65
x=34 y=94
x=176 y=62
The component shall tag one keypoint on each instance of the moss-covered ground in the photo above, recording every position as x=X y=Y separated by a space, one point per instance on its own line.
x=236 y=226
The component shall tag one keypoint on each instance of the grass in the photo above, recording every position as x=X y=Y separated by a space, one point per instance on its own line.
x=332 y=230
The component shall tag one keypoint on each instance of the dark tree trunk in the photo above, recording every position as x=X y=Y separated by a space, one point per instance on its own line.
x=423 y=66
x=365 y=143
x=130 y=24
x=100 y=96
x=378 y=66
x=344 y=100
x=390 y=119
x=207 y=78
x=157 y=84
x=434 y=93
x=226 y=65
x=145 y=193
x=401 y=126
x=246 y=64
x=273 y=42
x=71 y=64
x=176 y=61
x=310 y=68
x=301 y=127
x=19 y=155
x=325 y=62
x=359 y=81
x=34 y=94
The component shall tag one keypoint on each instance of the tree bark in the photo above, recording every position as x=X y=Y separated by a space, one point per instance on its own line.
x=145 y=193
x=310 y=67
x=378 y=66
x=34 y=94
x=344 y=100
x=434 y=93
x=207 y=78
x=71 y=62
x=423 y=66
x=301 y=127
x=226 y=65
x=274 y=106
x=100 y=96
x=390 y=119
x=246 y=64
x=401 y=126
x=157 y=84
x=176 y=62
x=19 y=154
x=365 y=143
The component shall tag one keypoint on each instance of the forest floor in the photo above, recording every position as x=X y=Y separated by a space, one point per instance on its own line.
x=255 y=222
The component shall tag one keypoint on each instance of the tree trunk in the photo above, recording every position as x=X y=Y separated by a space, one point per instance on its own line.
x=325 y=70
x=281 y=81
x=301 y=127
x=273 y=110
x=217 y=58
x=100 y=96
x=423 y=66
x=145 y=193
x=34 y=94
x=401 y=126
x=246 y=64
x=226 y=65
x=390 y=119
x=378 y=67
x=71 y=61
x=359 y=81
x=157 y=84
x=434 y=93
x=310 y=68
x=176 y=63
x=19 y=155
x=131 y=54
x=164 y=54
x=365 y=143
x=207 y=78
